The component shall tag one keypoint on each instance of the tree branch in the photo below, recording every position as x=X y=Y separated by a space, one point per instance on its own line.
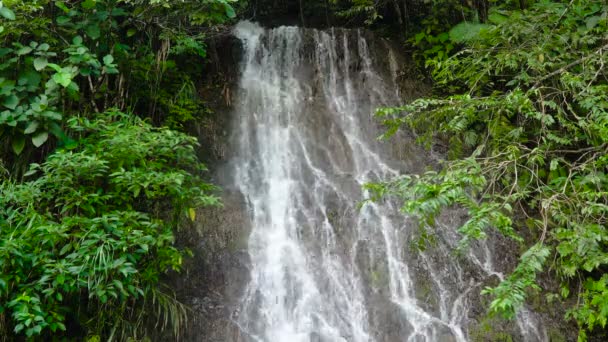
x=566 y=67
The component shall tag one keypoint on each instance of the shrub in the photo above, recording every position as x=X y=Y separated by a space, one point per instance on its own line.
x=84 y=245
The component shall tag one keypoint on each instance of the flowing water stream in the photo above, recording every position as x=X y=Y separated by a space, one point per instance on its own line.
x=323 y=269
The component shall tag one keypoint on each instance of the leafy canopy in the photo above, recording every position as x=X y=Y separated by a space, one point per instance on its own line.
x=87 y=234
x=523 y=109
x=84 y=244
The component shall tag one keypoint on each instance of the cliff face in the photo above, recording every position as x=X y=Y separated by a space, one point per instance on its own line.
x=440 y=289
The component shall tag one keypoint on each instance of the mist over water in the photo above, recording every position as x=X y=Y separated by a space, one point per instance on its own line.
x=323 y=269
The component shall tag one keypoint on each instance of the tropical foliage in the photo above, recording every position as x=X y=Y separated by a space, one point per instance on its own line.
x=522 y=109
x=84 y=244
x=90 y=197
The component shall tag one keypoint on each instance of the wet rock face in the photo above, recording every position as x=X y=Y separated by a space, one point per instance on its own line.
x=291 y=256
x=213 y=278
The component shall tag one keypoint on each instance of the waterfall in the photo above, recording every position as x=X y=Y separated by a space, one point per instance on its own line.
x=322 y=268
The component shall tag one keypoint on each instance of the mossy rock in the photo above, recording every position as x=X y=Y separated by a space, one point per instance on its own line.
x=555 y=335
x=490 y=329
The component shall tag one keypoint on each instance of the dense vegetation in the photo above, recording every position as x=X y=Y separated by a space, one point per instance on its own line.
x=521 y=101
x=97 y=173
x=88 y=232
x=91 y=197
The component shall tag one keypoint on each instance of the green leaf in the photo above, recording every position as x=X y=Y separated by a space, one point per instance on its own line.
x=554 y=164
x=85 y=71
x=24 y=51
x=40 y=138
x=497 y=18
x=52 y=115
x=108 y=59
x=591 y=22
x=62 y=20
x=11 y=101
x=229 y=11
x=93 y=31
x=74 y=89
x=62 y=6
x=466 y=31
x=7 y=13
x=63 y=78
x=40 y=63
x=110 y=70
x=5 y=51
x=30 y=78
x=88 y=4
x=119 y=12
x=37 y=329
x=31 y=127
x=131 y=32
x=55 y=67
x=77 y=40
x=43 y=47
x=18 y=143
x=31 y=172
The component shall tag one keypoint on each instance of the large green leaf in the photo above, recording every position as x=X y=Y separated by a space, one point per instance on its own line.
x=62 y=6
x=7 y=13
x=466 y=31
x=40 y=138
x=229 y=11
x=43 y=47
x=497 y=18
x=11 y=101
x=108 y=59
x=63 y=20
x=30 y=78
x=88 y=4
x=31 y=127
x=93 y=31
x=18 y=143
x=591 y=22
x=5 y=51
x=52 y=115
x=55 y=67
x=62 y=78
x=24 y=50
x=40 y=63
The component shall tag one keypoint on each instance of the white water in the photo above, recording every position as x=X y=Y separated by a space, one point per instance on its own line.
x=321 y=269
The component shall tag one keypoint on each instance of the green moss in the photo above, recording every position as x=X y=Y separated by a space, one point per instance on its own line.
x=424 y=292
x=555 y=335
x=487 y=330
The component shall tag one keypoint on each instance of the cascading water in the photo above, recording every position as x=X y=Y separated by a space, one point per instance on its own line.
x=323 y=269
